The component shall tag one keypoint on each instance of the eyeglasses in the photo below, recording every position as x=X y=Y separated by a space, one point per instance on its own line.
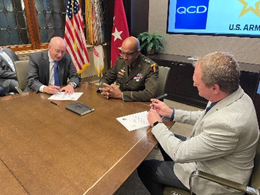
x=127 y=54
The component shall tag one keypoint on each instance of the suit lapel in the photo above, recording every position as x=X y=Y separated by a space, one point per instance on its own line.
x=46 y=66
x=221 y=104
x=226 y=101
x=10 y=56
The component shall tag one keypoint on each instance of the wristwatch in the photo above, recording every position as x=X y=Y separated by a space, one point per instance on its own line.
x=155 y=123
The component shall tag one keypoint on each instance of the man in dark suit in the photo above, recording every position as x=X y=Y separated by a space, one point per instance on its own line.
x=134 y=77
x=2 y=91
x=8 y=78
x=44 y=65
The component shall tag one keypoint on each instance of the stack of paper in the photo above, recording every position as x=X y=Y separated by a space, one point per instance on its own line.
x=61 y=96
x=134 y=121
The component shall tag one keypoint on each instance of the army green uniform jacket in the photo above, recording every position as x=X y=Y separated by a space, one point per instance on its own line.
x=142 y=82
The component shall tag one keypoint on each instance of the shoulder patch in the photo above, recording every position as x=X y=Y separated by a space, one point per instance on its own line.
x=154 y=67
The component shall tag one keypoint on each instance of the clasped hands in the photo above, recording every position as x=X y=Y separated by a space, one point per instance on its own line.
x=158 y=109
x=111 y=91
x=53 y=89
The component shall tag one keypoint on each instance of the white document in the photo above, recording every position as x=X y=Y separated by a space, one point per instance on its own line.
x=134 y=121
x=61 y=96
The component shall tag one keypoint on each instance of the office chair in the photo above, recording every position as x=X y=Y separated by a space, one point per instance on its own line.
x=163 y=75
x=21 y=73
x=254 y=184
x=252 y=188
x=257 y=98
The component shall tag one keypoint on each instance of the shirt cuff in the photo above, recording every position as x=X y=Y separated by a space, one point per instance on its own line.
x=173 y=112
x=123 y=96
x=74 y=85
x=41 y=88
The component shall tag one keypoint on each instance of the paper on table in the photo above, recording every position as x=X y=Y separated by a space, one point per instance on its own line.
x=134 y=121
x=61 y=96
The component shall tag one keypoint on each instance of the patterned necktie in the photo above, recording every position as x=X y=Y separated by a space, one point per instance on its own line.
x=56 y=74
x=210 y=106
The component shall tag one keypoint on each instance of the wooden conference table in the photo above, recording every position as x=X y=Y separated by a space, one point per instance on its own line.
x=46 y=149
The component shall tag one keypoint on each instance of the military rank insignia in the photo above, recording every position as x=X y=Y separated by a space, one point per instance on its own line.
x=122 y=72
x=154 y=67
x=138 y=77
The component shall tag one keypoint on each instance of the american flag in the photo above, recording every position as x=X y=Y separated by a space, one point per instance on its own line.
x=74 y=36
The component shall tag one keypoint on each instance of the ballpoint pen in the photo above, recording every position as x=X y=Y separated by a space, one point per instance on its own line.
x=54 y=103
x=160 y=97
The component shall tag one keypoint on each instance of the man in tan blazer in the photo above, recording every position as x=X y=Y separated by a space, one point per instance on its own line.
x=224 y=137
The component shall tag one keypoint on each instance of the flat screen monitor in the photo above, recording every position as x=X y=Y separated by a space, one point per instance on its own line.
x=214 y=17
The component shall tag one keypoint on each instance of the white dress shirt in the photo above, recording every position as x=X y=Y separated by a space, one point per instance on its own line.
x=51 y=77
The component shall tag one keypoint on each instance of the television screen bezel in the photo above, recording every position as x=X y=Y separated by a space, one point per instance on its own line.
x=206 y=34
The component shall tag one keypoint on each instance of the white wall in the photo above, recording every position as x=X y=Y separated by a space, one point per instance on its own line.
x=244 y=49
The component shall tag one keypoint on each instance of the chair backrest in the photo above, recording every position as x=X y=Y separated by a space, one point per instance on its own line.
x=255 y=178
x=21 y=73
x=256 y=99
x=163 y=75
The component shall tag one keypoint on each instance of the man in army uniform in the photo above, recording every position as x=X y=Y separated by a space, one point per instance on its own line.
x=2 y=91
x=134 y=77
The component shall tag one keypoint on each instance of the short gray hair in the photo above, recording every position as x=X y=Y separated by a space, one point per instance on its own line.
x=222 y=69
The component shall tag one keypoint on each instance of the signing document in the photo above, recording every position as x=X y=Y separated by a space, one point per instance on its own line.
x=61 y=96
x=134 y=121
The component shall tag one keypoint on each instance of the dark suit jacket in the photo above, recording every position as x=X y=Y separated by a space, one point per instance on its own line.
x=39 y=71
x=5 y=70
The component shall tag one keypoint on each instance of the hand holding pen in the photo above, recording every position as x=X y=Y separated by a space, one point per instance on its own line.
x=161 y=108
x=161 y=97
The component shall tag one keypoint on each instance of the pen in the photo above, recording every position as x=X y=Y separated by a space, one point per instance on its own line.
x=161 y=96
x=54 y=103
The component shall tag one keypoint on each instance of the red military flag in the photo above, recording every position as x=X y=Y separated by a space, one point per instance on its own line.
x=119 y=32
x=74 y=36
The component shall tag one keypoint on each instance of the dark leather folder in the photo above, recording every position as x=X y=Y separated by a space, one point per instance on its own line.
x=79 y=108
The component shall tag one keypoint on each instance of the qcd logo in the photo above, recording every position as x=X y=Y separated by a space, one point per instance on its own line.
x=192 y=10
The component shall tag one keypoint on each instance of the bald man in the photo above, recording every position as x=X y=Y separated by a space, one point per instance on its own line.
x=41 y=70
x=134 y=77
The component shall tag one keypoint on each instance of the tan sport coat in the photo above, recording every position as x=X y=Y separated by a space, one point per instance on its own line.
x=223 y=142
